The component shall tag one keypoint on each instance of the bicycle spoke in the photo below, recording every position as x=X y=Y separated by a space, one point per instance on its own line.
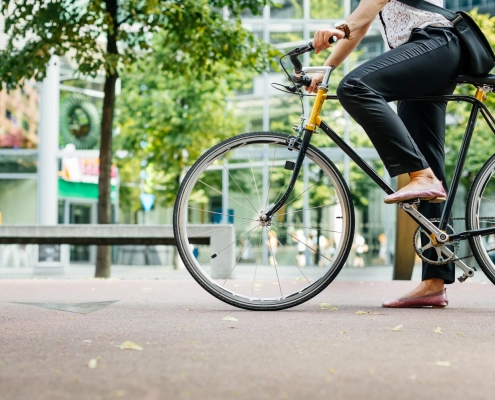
x=300 y=194
x=220 y=229
x=293 y=260
x=226 y=247
x=238 y=186
x=275 y=265
x=199 y=180
x=487 y=199
x=309 y=208
x=308 y=227
x=254 y=179
x=219 y=213
x=257 y=258
x=293 y=237
x=237 y=262
x=270 y=177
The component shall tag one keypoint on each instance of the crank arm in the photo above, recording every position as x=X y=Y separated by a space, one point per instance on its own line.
x=432 y=229
x=468 y=271
x=423 y=222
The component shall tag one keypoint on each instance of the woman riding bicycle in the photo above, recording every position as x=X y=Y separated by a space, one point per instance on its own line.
x=424 y=56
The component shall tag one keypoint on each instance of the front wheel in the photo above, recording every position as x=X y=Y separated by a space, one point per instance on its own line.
x=246 y=261
x=480 y=213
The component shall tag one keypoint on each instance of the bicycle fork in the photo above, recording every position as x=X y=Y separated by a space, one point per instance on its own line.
x=437 y=236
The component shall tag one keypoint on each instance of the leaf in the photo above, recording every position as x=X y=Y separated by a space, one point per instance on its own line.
x=228 y=318
x=442 y=363
x=331 y=371
x=93 y=363
x=128 y=345
x=398 y=328
x=327 y=306
x=362 y=313
x=438 y=330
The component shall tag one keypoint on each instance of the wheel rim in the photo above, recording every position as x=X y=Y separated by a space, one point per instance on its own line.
x=483 y=216
x=274 y=261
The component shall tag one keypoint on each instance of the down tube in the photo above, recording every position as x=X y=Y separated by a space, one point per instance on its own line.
x=356 y=158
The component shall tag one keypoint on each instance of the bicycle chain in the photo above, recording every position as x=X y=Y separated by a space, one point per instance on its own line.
x=458 y=258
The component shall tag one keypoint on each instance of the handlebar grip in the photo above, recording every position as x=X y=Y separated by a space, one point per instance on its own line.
x=301 y=50
x=305 y=80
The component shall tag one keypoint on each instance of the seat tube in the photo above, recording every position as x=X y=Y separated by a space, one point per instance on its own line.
x=446 y=214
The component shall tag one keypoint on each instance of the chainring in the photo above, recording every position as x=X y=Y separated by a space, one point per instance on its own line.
x=441 y=257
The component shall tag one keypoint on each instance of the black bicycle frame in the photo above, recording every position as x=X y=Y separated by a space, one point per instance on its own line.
x=477 y=107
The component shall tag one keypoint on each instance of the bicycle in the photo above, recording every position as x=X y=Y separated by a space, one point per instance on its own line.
x=253 y=183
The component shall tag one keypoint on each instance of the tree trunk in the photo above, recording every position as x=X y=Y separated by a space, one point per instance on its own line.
x=103 y=254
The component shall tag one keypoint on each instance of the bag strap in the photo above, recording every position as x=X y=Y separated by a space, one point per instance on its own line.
x=427 y=6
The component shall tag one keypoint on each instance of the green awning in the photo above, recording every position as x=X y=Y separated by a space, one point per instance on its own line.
x=80 y=190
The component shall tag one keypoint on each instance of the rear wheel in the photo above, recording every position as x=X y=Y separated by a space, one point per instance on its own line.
x=256 y=264
x=480 y=213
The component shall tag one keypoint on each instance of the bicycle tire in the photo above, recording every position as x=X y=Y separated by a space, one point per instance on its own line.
x=180 y=222
x=475 y=208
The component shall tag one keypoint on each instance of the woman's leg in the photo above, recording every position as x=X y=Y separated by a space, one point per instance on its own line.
x=417 y=68
x=414 y=69
x=425 y=121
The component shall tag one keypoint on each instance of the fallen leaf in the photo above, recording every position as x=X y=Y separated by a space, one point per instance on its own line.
x=438 y=330
x=443 y=363
x=361 y=313
x=128 y=345
x=327 y=306
x=228 y=318
x=331 y=370
x=118 y=393
x=398 y=328
x=460 y=334
x=93 y=363
x=343 y=332
x=1 y=364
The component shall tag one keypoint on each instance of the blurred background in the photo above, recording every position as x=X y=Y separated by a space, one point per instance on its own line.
x=153 y=147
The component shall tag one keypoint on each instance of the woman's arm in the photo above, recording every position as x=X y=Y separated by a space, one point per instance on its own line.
x=362 y=17
x=358 y=22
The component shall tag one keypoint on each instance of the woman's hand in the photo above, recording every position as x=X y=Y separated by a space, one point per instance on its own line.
x=320 y=41
x=315 y=81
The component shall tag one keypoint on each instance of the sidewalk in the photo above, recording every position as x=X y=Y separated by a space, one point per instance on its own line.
x=368 y=273
x=191 y=352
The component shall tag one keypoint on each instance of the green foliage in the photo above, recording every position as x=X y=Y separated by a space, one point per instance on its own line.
x=483 y=141
x=73 y=28
x=168 y=119
x=326 y=9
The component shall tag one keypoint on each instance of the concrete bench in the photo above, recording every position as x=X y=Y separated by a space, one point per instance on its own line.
x=216 y=235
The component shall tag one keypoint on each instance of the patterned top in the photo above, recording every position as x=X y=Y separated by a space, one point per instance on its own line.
x=397 y=20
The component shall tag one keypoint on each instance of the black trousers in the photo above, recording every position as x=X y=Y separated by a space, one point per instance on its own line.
x=413 y=139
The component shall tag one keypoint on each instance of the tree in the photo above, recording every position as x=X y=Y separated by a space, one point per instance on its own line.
x=108 y=35
x=483 y=141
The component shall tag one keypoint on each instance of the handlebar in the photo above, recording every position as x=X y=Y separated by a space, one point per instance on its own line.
x=293 y=54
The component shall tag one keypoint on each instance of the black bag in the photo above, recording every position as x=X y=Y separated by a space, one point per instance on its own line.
x=482 y=59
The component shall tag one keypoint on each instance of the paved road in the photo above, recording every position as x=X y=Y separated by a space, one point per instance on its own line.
x=191 y=352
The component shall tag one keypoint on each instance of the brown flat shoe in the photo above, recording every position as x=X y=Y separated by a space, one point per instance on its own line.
x=435 y=300
x=432 y=193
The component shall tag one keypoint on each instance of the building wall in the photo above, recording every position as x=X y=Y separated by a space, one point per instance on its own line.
x=18 y=201
x=19 y=118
